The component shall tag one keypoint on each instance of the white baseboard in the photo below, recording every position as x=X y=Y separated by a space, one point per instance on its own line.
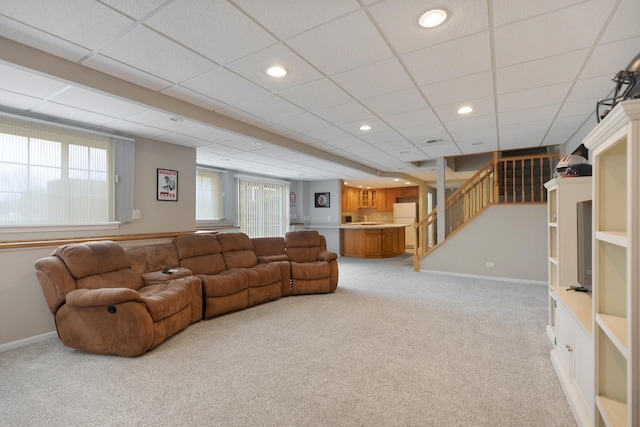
x=26 y=341
x=476 y=276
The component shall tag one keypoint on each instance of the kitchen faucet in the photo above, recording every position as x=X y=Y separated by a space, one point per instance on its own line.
x=365 y=218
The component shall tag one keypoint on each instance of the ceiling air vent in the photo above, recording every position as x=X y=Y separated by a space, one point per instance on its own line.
x=432 y=141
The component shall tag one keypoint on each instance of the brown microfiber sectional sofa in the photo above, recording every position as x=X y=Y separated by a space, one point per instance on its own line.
x=125 y=301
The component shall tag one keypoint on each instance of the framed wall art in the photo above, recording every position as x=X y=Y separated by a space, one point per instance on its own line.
x=167 y=185
x=322 y=200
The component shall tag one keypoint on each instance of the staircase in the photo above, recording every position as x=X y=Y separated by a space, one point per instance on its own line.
x=512 y=178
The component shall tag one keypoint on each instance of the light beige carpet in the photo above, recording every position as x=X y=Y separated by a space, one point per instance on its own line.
x=390 y=348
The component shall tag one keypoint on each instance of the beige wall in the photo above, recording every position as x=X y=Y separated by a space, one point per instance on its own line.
x=513 y=237
x=23 y=312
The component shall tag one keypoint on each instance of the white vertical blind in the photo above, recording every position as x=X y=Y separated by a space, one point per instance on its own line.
x=53 y=175
x=209 y=194
x=263 y=207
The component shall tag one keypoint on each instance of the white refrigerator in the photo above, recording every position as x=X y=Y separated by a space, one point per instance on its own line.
x=406 y=213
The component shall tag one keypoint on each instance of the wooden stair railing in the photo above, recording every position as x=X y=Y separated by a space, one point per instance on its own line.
x=502 y=180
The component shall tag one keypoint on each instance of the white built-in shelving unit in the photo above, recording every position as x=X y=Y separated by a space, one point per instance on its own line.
x=615 y=148
x=570 y=312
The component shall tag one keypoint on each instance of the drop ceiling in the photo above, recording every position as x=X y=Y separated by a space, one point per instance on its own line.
x=192 y=72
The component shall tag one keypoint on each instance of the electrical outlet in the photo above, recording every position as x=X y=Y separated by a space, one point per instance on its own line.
x=329 y=218
x=490 y=265
x=136 y=214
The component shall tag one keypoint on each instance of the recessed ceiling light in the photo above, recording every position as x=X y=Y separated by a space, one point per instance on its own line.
x=365 y=127
x=408 y=183
x=396 y=179
x=276 y=71
x=177 y=119
x=432 y=18
x=465 y=110
x=256 y=143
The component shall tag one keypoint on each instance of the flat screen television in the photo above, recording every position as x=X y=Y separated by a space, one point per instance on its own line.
x=584 y=246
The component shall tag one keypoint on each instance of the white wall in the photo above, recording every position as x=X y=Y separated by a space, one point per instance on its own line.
x=23 y=311
x=513 y=237
x=326 y=216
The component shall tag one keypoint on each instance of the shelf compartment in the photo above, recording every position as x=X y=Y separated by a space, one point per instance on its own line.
x=613 y=412
x=611 y=284
x=611 y=187
x=616 y=328
x=553 y=242
x=612 y=369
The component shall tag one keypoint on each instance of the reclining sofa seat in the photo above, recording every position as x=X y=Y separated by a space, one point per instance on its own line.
x=231 y=277
x=101 y=305
x=313 y=268
x=271 y=250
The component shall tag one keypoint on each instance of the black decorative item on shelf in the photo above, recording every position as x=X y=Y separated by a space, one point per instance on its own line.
x=627 y=87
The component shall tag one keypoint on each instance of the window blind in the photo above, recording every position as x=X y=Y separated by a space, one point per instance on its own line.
x=263 y=210
x=209 y=194
x=52 y=175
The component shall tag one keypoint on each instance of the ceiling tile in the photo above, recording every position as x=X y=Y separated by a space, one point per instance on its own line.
x=345 y=113
x=456 y=58
x=374 y=79
x=461 y=89
x=549 y=34
x=126 y=72
x=544 y=113
x=508 y=11
x=624 y=24
x=399 y=21
x=271 y=107
x=316 y=95
x=254 y=67
x=160 y=120
x=87 y=23
x=532 y=98
x=343 y=44
x=92 y=101
x=226 y=86
x=424 y=116
x=73 y=114
x=608 y=59
x=214 y=28
x=135 y=9
x=396 y=102
x=285 y=19
x=23 y=82
x=157 y=55
x=541 y=72
x=187 y=95
x=18 y=101
x=302 y=122
x=41 y=40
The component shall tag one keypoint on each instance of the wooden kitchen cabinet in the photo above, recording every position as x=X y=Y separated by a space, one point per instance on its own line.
x=350 y=198
x=413 y=191
x=368 y=198
x=379 y=242
x=381 y=198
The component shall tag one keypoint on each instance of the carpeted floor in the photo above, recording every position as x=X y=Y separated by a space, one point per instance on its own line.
x=390 y=347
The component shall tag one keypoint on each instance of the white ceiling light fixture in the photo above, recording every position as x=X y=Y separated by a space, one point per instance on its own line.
x=277 y=71
x=465 y=110
x=365 y=128
x=432 y=18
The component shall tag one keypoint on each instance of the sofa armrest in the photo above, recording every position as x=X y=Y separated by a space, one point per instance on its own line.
x=327 y=256
x=272 y=258
x=155 y=277
x=101 y=297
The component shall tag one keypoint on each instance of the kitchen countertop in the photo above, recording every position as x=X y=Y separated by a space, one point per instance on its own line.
x=361 y=226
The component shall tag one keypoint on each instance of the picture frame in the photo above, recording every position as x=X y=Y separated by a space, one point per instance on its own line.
x=167 y=185
x=322 y=200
